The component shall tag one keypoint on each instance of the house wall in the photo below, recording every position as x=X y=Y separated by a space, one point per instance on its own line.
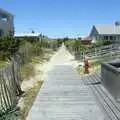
x=97 y=37
x=116 y=38
x=94 y=35
x=6 y=26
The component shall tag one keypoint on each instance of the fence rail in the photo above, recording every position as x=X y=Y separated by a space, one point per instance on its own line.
x=100 y=52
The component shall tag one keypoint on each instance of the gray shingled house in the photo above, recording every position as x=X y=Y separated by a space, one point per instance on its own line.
x=6 y=23
x=106 y=32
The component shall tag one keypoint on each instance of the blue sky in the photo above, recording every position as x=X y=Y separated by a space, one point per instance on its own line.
x=60 y=18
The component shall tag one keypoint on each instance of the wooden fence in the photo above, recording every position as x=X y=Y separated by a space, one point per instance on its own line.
x=100 y=52
x=108 y=51
x=10 y=86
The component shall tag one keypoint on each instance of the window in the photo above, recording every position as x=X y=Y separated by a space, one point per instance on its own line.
x=4 y=18
x=1 y=33
x=112 y=37
x=105 y=37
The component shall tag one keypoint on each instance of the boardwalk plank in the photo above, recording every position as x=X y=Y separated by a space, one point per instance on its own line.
x=65 y=97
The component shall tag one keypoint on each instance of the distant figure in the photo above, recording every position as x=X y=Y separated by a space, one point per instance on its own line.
x=86 y=66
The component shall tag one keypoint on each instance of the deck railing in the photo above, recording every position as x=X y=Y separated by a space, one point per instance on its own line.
x=100 y=52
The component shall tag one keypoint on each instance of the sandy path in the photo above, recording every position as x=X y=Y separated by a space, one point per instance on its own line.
x=43 y=69
x=46 y=67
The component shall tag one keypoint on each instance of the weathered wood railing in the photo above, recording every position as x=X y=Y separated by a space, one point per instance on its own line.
x=9 y=86
x=96 y=53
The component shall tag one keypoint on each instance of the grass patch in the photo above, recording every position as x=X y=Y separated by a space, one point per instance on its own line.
x=27 y=71
x=93 y=69
x=40 y=59
x=11 y=116
x=37 y=60
x=96 y=65
x=3 y=64
x=28 y=99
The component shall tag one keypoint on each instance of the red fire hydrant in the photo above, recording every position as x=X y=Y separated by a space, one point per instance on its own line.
x=86 y=66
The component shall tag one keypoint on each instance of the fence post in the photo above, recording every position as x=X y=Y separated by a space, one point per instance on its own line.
x=18 y=87
x=111 y=51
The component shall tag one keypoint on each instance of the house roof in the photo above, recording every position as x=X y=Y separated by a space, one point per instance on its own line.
x=4 y=12
x=27 y=34
x=108 y=29
x=86 y=38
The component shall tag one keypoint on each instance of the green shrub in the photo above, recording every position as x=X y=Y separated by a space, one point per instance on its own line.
x=6 y=45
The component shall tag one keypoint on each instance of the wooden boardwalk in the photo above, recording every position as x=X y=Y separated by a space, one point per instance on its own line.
x=66 y=96
x=108 y=104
